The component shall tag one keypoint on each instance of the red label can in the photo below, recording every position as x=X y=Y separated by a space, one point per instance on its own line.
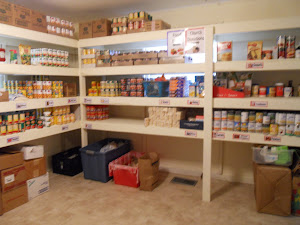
x=279 y=89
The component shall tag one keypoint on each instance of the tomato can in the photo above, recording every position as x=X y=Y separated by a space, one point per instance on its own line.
x=262 y=91
x=140 y=94
x=279 y=89
x=130 y=25
x=3 y=130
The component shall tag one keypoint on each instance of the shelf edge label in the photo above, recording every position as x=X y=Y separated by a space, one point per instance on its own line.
x=254 y=65
x=13 y=139
x=104 y=100
x=218 y=135
x=242 y=137
x=190 y=133
x=193 y=102
x=164 y=102
x=88 y=126
x=87 y=101
x=72 y=100
x=21 y=105
x=272 y=139
x=259 y=103
x=65 y=127
x=49 y=103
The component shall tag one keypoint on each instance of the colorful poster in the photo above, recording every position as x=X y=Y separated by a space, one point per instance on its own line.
x=195 y=41
x=176 y=43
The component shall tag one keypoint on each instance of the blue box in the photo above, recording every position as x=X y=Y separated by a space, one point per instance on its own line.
x=156 y=88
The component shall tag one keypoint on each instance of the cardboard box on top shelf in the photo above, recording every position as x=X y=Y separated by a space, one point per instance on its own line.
x=12 y=178
x=6 y=12
x=38 y=21
x=101 y=28
x=10 y=159
x=21 y=17
x=35 y=167
x=273 y=189
x=85 y=30
x=156 y=25
x=33 y=152
x=38 y=186
x=13 y=199
x=4 y=96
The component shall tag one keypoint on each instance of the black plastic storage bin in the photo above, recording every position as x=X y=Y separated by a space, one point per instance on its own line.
x=68 y=162
x=95 y=163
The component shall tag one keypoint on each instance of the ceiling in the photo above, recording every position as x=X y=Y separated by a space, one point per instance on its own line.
x=80 y=10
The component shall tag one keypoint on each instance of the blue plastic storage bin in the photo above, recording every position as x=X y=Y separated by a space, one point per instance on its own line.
x=156 y=88
x=95 y=163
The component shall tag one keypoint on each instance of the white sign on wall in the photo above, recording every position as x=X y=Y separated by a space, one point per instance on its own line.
x=195 y=41
x=176 y=43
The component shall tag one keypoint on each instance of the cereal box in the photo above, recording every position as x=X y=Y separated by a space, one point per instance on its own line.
x=225 y=51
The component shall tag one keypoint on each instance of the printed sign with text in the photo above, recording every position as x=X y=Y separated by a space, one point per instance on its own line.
x=193 y=102
x=21 y=105
x=195 y=41
x=176 y=43
x=272 y=138
x=164 y=102
x=242 y=137
x=65 y=127
x=218 y=135
x=49 y=103
x=87 y=101
x=88 y=126
x=258 y=103
x=191 y=133
x=12 y=139
x=104 y=100
x=254 y=65
x=72 y=100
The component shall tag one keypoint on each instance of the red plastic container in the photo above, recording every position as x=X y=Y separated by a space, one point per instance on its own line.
x=123 y=173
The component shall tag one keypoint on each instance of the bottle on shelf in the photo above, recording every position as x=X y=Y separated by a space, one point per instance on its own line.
x=2 y=54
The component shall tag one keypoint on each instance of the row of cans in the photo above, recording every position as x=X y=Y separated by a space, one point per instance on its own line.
x=97 y=112
x=61 y=110
x=62 y=119
x=65 y=32
x=58 y=22
x=49 y=61
x=50 y=53
x=139 y=15
x=119 y=20
x=132 y=93
x=132 y=81
x=18 y=127
x=113 y=92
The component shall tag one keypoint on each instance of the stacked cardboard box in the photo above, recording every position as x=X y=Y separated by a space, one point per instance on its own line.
x=97 y=28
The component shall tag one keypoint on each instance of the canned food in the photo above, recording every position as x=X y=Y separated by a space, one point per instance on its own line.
x=142 y=14
x=237 y=116
x=288 y=91
x=142 y=24
x=273 y=129
x=217 y=125
x=266 y=120
x=21 y=127
x=124 y=29
x=281 y=46
x=230 y=115
x=15 y=118
x=130 y=25
x=282 y=119
x=259 y=117
x=289 y=129
x=115 y=20
x=255 y=89
x=124 y=20
x=136 y=25
x=3 y=130
x=244 y=127
x=45 y=52
x=297 y=130
x=237 y=126
x=271 y=92
x=279 y=89
x=281 y=130
x=266 y=129
x=290 y=47
x=290 y=118
x=251 y=127
x=230 y=125
x=9 y=129
x=224 y=124
x=136 y=15
x=245 y=117
x=252 y=116
x=262 y=91
x=140 y=94
x=119 y=19
x=130 y=16
x=258 y=127
x=217 y=115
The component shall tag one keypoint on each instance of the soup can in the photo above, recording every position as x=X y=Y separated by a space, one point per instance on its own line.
x=230 y=125
x=289 y=129
x=217 y=115
x=255 y=90
x=258 y=127
x=281 y=130
x=251 y=127
x=273 y=129
x=288 y=91
x=271 y=91
x=217 y=125
x=279 y=89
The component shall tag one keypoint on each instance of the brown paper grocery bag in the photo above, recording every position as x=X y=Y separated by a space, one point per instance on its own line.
x=148 y=171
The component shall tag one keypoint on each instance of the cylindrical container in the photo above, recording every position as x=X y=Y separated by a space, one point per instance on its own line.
x=136 y=25
x=135 y=15
x=244 y=127
x=266 y=120
x=282 y=119
x=251 y=127
x=252 y=116
x=281 y=130
x=281 y=47
x=237 y=126
x=245 y=117
x=259 y=117
x=237 y=116
x=224 y=115
x=258 y=127
x=230 y=115
x=271 y=91
x=279 y=89
x=262 y=91
x=297 y=119
x=224 y=125
x=290 y=47
x=230 y=125
x=289 y=129
x=255 y=90
x=22 y=127
x=288 y=91
x=217 y=125
x=266 y=128
x=290 y=118
x=3 y=130
x=130 y=16
x=273 y=129
x=217 y=115
x=130 y=25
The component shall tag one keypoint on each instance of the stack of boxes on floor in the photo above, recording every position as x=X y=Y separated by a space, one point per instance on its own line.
x=23 y=176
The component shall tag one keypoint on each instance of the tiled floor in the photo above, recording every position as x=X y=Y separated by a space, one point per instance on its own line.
x=74 y=200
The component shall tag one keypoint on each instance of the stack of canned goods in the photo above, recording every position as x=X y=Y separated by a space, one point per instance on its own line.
x=59 y=27
x=60 y=115
x=119 y=25
x=273 y=91
x=49 y=57
x=132 y=87
x=57 y=89
x=109 y=88
x=273 y=123
x=97 y=112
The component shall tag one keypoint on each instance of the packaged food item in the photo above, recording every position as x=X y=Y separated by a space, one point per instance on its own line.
x=25 y=54
x=290 y=47
x=255 y=90
x=225 y=51
x=240 y=82
x=281 y=47
x=254 y=50
x=279 y=89
x=271 y=91
x=288 y=91
x=262 y=91
x=267 y=54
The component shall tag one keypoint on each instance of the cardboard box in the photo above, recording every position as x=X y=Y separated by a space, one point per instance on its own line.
x=33 y=152
x=144 y=55
x=38 y=186
x=13 y=199
x=4 y=96
x=156 y=25
x=148 y=171
x=35 y=167
x=296 y=196
x=146 y=61
x=101 y=28
x=38 y=22
x=85 y=30
x=12 y=178
x=21 y=17
x=171 y=60
x=6 y=12
x=10 y=159
x=122 y=63
x=70 y=89
x=273 y=189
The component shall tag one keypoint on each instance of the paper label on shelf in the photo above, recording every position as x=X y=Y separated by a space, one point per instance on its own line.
x=8 y=179
x=104 y=100
x=164 y=102
x=195 y=41
x=242 y=137
x=176 y=43
x=12 y=139
x=49 y=103
x=259 y=103
x=88 y=126
x=21 y=105
x=254 y=65
x=65 y=127
x=87 y=101
x=272 y=139
x=193 y=102
x=218 y=135
x=190 y=133
x=72 y=100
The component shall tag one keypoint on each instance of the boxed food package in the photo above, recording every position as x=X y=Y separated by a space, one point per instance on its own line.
x=254 y=50
x=38 y=21
x=33 y=152
x=101 y=28
x=38 y=186
x=35 y=167
x=85 y=30
x=148 y=171
x=273 y=189
x=21 y=17
x=122 y=63
x=156 y=25
x=4 y=96
x=225 y=51
x=12 y=178
x=6 y=12
x=146 y=61
x=296 y=196
x=13 y=199
x=70 y=89
x=10 y=159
